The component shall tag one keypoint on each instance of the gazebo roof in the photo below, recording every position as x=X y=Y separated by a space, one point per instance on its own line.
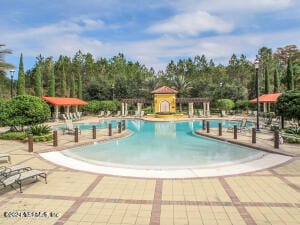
x=267 y=98
x=164 y=90
x=64 y=101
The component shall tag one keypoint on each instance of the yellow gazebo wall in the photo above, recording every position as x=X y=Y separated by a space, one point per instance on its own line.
x=171 y=98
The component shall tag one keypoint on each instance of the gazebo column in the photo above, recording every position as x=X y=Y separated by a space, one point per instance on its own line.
x=68 y=109
x=76 y=108
x=56 y=109
x=265 y=107
x=208 y=109
x=123 y=108
x=191 y=108
x=204 y=108
x=139 y=105
x=126 y=107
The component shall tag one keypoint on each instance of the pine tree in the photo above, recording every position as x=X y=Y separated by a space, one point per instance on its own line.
x=79 y=85
x=267 y=80
x=51 y=90
x=38 y=82
x=21 y=78
x=290 y=76
x=72 y=87
x=276 y=80
x=63 y=83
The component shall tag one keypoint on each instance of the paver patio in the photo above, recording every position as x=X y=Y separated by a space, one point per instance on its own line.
x=269 y=196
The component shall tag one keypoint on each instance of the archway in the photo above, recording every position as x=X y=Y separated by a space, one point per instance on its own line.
x=164 y=106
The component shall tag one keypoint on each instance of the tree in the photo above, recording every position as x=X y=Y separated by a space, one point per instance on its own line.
x=182 y=86
x=225 y=104
x=290 y=76
x=72 y=88
x=24 y=110
x=51 y=89
x=288 y=105
x=63 y=83
x=4 y=65
x=79 y=85
x=21 y=78
x=267 y=80
x=38 y=82
x=276 y=80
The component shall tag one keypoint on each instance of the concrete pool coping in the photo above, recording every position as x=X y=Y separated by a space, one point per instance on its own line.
x=267 y=161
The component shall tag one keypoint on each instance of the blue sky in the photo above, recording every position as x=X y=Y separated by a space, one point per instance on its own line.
x=150 y=31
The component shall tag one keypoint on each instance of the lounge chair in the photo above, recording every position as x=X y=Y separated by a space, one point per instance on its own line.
x=79 y=115
x=118 y=114
x=20 y=177
x=108 y=113
x=64 y=117
x=5 y=155
x=101 y=114
x=223 y=113
x=200 y=113
x=10 y=170
x=137 y=114
x=242 y=126
x=70 y=129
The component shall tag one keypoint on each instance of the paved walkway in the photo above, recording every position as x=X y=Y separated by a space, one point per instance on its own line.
x=269 y=196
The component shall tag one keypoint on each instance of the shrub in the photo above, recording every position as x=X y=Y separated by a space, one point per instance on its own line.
x=242 y=104
x=39 y=130
x=96 y=106
x=288 y=105
x=225 y=104
x=13 y=135
x=147 y=109
x=24 y=110
x=293 y=130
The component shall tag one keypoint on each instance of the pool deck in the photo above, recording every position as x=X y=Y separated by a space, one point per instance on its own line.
x=268 y=196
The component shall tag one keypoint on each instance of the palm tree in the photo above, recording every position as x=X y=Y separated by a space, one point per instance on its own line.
x=182 y=86
x=4 y=65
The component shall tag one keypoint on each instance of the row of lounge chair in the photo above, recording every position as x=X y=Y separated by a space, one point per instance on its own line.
x=70 y=128
x=72 y=116
x=109 y=113
x=17 y=174
x=5 y=155
x=198 y=113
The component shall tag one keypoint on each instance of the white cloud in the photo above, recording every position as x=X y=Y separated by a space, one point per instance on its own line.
x=54 y=39
x=232 y=6
x=192 y=23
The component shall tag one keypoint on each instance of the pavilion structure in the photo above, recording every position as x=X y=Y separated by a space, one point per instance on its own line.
x=165 y=100
x=266 y=99
x=58 y=102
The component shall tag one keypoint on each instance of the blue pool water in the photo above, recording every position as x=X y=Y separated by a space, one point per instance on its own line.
x=163 y=144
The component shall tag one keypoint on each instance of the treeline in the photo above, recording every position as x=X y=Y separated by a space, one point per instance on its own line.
x=88 y=78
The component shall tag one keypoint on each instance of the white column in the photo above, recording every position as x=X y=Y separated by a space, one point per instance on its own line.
x=204 y=108
x=56 y=112
x=76 y=108
x=123 y=111
x=208 y=109
x=126 y=107
x=191 y=108
x=139 y=105
x=68 y=109
x=265 y=107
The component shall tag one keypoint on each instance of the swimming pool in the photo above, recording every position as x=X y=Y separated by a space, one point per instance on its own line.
x=163 y=145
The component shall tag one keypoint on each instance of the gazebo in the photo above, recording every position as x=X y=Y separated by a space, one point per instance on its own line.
x=266 y=99
x=65 y=102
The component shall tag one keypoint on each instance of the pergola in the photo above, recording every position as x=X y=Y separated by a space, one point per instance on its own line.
x=139 y=102
x=191 y=101
x=266 y=99
x=65 y=102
